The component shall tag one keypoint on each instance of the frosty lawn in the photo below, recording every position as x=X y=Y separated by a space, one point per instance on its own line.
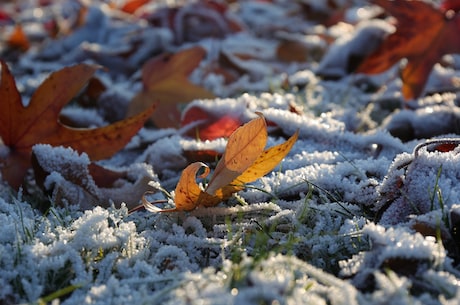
x=356 y=213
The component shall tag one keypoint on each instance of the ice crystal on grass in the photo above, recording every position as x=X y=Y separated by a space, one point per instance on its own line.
x=42 y=256
x=276 y=279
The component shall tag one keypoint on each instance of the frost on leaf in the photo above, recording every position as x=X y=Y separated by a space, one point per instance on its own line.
x=397 y=250
x=421 y=183
x=244 y=161
x=71 y=178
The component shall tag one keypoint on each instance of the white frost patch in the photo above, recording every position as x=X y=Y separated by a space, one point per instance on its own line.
x=427 y=184
x=400 y=242
x=69 y=179
x=398 y=249
x=164 y=154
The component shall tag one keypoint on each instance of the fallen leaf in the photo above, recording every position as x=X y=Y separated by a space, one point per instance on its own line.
x=204 y=155
x=104 y=177
x=328 y=13
x=22 y=127
x=266 y=161
x=197 y=21
x=444 y=147
x=450 y=5
x=90 y=95
x=423 y=35
x=187 y=190
x=166 y=84
x=18 y=39
x=243 y=148
x=243 y=161
x=131 y=6
x=5 y=17
x=208 y=126
x=292 y=51
x=71 y=178
x=264 y=164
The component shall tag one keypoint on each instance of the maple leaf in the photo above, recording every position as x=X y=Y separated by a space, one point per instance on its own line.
x=423 y=35
x=166 y=84
x=22 y=127
x=244 y=161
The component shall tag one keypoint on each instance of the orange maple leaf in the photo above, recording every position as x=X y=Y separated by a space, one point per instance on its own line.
x=22 y=127
x=244 y=161
x=423 y=35
x=165 y=80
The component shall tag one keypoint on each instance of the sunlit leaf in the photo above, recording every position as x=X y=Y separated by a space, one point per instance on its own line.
x=245 y=161
x=187 y=190
x=266 y=161
x=243 y=148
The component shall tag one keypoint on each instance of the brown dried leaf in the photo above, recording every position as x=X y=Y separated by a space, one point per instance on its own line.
x=22 y=127
x=243 y=148
x=166 y=84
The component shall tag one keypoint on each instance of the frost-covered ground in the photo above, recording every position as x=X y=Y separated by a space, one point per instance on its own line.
x=357 y=213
